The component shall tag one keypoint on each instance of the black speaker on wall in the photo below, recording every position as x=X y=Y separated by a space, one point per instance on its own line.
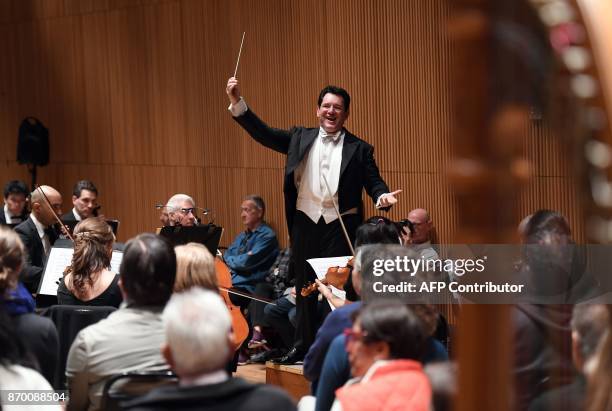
x=33 y=143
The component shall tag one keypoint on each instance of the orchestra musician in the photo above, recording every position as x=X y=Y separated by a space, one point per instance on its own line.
x=84 y=201
x=38 y=235
x=331 y=153
x=181 y=211
x=15 y=201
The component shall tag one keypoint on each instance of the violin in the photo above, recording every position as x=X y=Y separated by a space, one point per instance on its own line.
x=335 y=276
x=239 y=323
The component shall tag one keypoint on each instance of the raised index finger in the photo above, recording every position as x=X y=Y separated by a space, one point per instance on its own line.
x=395 y=192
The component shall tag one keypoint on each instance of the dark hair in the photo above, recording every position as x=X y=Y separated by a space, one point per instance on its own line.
x=395 y=324
x=16 y=187
x=84 y=185
x=377 y=230
x=547 y=223
x=148 y=270
x=259 y=203
x=338 y=91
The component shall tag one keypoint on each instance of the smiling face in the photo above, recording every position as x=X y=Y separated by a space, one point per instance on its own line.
x=332 y=113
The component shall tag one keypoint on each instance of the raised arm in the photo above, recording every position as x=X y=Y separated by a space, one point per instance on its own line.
x=274 y=138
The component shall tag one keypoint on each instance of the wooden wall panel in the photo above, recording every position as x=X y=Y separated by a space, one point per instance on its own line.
x=133 y=92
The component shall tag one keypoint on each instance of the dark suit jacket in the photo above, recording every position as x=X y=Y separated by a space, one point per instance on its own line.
x=3 y=219
x=69 y=217
x=234 y=394
x=35 y=254
x=358 y=169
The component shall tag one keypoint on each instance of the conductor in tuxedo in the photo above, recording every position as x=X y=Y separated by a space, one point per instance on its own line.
x=314 y=154
x=38 y=236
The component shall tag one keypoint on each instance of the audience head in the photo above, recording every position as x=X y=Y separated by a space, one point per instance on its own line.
x=40 y=208
x=15 y=196
x=181 y=210
x=377 y=230
x=148 y=270
x=547 y=227
x=589 y=324
x=93 y=250
x=11 y=259
x=85 y=198
x=383 y=331
x=195 y=266
x=333 y=108
x=198 y=333
x=421 y=221
x=164 y=218
x=252 y=211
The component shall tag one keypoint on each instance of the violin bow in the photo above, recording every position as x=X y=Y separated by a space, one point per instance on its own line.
x=247 y=295
x=59 y=220
x=348 y=240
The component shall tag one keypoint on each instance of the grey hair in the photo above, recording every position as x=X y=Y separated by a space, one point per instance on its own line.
x=258 y=201
x=174 y=204
x=197 y=325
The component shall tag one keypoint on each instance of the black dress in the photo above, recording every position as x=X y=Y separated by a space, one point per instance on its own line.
x=110 y=297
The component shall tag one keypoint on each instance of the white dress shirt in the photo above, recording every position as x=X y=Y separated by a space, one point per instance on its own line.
x=76 y=215
x=40 y=228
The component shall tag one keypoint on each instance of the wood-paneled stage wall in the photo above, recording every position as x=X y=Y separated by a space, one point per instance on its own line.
x=134 y=95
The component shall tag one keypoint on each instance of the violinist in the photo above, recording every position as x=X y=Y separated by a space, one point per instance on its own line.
x=84 y=200
x=38 y=235
x=15 y=201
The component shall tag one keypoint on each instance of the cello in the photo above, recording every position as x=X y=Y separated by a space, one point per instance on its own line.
x=240 y=326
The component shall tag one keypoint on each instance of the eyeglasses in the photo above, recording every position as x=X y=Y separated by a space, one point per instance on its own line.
x=353 y=336
x=187 y=210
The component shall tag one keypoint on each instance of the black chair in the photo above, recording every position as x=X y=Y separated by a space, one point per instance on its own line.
x=133 y=385
x=69 y=320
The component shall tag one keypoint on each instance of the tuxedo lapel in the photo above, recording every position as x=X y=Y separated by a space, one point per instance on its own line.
x=348 y=149
x=306 y=142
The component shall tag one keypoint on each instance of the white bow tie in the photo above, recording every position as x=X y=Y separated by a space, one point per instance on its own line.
x=325 y=136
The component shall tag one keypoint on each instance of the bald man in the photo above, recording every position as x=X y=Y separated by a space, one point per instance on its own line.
x=420 y=238
x=38 y=236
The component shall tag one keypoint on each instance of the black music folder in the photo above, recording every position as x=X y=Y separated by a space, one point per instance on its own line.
x=209 y=235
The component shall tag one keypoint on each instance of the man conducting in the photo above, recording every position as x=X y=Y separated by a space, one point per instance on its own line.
x=316 y=155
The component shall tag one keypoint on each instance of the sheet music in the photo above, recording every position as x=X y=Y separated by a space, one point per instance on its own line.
x=59 y=259
x=320 y=266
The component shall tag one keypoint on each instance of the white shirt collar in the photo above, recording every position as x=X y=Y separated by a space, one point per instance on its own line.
x=76 y=215
x=335 y=136
x=39 y=226
x=7 y=216
x=210 y=378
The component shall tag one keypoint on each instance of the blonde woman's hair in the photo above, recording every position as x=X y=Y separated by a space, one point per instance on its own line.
x=195 y=266
x=92 y=239
x=11 y=258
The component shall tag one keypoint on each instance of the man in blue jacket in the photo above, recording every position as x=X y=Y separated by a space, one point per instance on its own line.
x=253 y=252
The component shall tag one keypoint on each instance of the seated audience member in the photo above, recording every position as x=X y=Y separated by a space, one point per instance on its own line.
x=198 y=345
x=15 y=200
x=84 y=201
x=130 y=338
x=195 y=267
x=88 y=280
x=38 y=334
x=15 y=373
x=420 y=239
x=589 y=324
x=181 y=211
x=254 y=251
x=38 y=235
x=384 y=347
x=542 y=334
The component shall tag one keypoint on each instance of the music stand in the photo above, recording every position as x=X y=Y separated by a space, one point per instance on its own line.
x=209 y=235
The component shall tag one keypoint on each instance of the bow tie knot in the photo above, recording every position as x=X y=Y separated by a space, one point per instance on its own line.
x=326 y=137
